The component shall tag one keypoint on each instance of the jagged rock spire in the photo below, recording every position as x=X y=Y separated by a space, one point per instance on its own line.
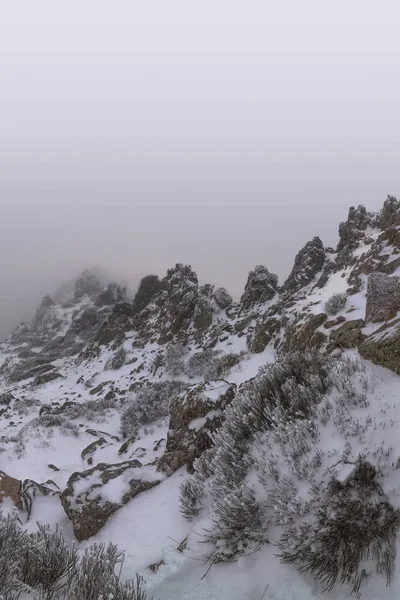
x=353 y=229
x=261 y=286
x=308 y=262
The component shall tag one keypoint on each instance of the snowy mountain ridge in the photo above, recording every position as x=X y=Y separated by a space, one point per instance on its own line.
x=219 y=444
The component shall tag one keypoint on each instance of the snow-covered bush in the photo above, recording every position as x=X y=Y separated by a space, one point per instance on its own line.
x=211 y=365
x=148 y=404
x=354 y=525
x=192 y=490
x=335 y=303
x=222 y=366
x=175 y=359
x=199 y=364
x=42 y=565
x=47 y=563
x=265 y=468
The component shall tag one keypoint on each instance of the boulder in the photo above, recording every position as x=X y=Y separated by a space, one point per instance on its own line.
x=93 y=496
x=261 y=286
x=10 y=488
x=383 y=297
x=194 y=415
x=307 y=264
x=383 y=346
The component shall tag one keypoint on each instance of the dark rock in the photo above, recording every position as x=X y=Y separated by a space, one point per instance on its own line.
x=6 y=398
x=261 y=286
x=299 y=337
x=223 y=298
x=352 y=230
x=47 y=377
x=111 y=295
x=390 y=213
x=87 y=508
x=307 y=264
x=87 y=284
x=383 y=297
x=383 y=346
x=149 y=287
x=349 y=335
x=193 y=417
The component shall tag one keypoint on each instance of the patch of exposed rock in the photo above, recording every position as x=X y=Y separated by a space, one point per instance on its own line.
x=352 y=230
x=383 y=297
x=348 y=335
x=223 y=298
x=148 y=289
x=87 y=284
x=93 y=496
x=383 y=346
x=390 y=213
x=307 y=264
x=112 y=294
x=194 y=415
x=261 y=286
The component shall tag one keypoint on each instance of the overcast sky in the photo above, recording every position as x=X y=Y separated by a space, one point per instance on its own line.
x=224 y=134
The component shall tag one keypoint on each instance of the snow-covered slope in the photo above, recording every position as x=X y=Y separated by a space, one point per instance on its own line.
x=106 y=403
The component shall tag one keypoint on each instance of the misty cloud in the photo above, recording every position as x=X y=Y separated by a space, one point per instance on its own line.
x=221 y=134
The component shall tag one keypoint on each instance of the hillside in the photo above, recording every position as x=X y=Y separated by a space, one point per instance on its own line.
x=232 y=450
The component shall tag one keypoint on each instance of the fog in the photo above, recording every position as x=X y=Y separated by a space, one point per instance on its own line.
x=134 y=135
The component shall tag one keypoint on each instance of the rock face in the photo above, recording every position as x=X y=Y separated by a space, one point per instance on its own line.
x=261 y=286
x=308 y=263
x=181 y=284
x=348 y=335
x=390 y=213
x=149 y=287
x=383 y=346
x=383 y=297
x=10 y=488
x=87 y=285
x=92 y=496
x=223 y=298
x=111 y=295
x=352 y=230
x=194 y=414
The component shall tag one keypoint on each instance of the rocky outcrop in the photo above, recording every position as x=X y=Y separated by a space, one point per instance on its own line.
x=383 y=346
x=261 y=286
x=112 y=294
x=352 y=230
x=307 y=264
x=222 y=298
x=348 y=335
x=194 y=415
x=117 y=323
x=264 y=332
x=93 y=496
x=390 y=213
x=305 y=335
x=87 y=284
x=383 y=297
x=149 y=287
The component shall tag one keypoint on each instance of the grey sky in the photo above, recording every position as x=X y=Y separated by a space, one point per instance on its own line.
x=220 y=133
